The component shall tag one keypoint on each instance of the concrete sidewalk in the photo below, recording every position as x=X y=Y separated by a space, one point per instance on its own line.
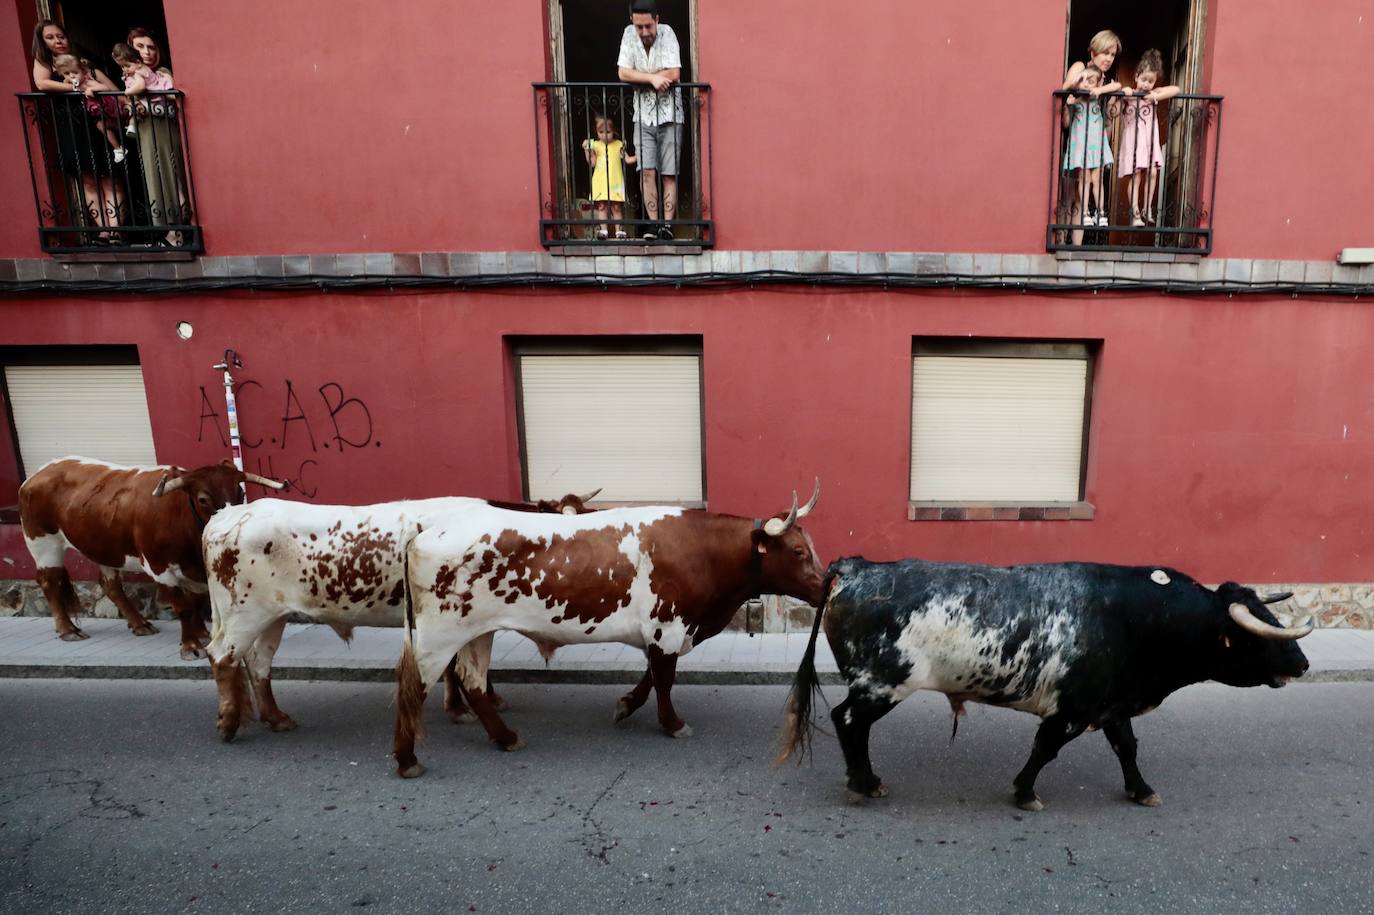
x=30 y=648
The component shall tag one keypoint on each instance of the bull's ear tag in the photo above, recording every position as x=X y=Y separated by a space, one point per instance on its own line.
x=1158 y=577
x=762 y=547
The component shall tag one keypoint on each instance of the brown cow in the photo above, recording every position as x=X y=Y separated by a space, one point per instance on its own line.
x=662 y=579
x=127 y=519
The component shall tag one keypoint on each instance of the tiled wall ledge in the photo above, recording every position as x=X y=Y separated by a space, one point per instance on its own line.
x=1326 y=606
x=463 y=270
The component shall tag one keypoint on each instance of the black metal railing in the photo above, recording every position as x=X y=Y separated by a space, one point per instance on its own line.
x=593 y=192
x=1129 y=174
x=110 y=172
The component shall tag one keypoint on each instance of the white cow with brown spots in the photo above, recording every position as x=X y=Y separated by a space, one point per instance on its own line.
x=662 y=579
x=341 y=565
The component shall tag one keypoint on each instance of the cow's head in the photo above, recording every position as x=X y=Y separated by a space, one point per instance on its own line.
x=571 y=504
x=210 y=488
x=1255 y=649
x=787 y=559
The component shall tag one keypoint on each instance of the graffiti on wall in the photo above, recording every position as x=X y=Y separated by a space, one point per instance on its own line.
x=287 y=432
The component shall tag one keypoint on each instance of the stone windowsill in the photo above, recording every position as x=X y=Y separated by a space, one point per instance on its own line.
x=999 y=511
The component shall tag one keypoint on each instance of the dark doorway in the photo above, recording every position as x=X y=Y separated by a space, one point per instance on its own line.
x=1170 y=25
x=96 y=26
x=585 y=38
x=592 y=30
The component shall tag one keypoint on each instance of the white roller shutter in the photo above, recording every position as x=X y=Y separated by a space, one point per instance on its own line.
x=95 y=411
x=630 y=424
x=996 y=429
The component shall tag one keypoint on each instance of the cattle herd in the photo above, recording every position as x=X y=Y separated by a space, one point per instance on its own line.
x=1084 y=646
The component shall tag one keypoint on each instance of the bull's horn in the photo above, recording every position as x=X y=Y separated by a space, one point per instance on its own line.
x=776 y=527
x=165 y=485
x=264 y=481
x=815 y=497
x=1275 y=598
x=589 y=496
x=1247 y=621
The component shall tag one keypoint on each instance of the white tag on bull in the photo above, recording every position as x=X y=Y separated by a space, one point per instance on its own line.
x=1159 y=577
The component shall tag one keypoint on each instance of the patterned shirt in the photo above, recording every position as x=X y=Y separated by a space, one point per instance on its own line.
x=653 y=108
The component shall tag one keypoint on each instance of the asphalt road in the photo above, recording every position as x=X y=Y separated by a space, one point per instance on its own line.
x=117 y=796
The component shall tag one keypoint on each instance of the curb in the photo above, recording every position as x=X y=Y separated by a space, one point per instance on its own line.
x=584 y=676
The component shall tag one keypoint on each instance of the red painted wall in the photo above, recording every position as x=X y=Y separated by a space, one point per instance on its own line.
x=361 y=126
x=19 y=227
x=1295 y=179
x=1213 y=448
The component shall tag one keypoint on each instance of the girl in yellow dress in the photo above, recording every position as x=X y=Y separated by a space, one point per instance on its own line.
x=605 y=155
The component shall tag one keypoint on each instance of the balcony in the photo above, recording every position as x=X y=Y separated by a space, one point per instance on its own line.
x=94 y=200
x=1171 y=212
x=580 y=193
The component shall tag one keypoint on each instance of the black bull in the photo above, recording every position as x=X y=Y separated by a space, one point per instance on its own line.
x=1082 y=645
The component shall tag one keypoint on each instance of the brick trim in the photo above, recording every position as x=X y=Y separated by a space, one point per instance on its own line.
x=473 y=269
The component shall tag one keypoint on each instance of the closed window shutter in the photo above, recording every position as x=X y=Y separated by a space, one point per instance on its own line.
x=996 y=428
x=94 y=411
x=630 y=424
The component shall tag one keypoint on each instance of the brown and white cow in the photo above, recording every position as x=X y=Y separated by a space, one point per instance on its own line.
x=127 y=519
x=342 y=565
x=662 y=579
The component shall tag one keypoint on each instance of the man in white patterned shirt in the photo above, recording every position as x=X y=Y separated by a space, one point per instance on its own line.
x=651 y=60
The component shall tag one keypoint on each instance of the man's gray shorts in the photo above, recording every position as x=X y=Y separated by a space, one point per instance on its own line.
x=656 y=147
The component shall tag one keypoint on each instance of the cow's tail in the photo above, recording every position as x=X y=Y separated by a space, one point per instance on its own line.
x=797 y=724
x=410 y=687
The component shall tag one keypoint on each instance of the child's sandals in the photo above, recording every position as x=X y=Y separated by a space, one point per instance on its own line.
x=620 y=233
x=601 y=233
x=1136 y=218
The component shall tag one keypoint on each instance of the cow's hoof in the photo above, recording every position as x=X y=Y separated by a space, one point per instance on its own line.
x=282 y=724
x=1148 y=800
x=684 y=731
x=1031 y=803
x=412 y=771
x=461 y=715
x=516 y=744
x=192 y=654
x=145 y=629
x=226 y=734
x=76 y=635
x=622 y=710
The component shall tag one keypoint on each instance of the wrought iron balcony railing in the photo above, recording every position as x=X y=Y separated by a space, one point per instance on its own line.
x=111 y=173
x=605 y=178
x=1130 y=175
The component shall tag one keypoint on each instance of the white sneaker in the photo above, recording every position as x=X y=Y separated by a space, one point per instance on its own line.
x=1102 y=219
x=119 y=154
x=131 y=130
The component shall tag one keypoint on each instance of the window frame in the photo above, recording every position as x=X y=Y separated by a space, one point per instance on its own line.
x=1080 y=509
x=50 y=355
x=608 y=345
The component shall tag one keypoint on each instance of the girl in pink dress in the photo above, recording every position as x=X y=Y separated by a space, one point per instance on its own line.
x=1141 y=154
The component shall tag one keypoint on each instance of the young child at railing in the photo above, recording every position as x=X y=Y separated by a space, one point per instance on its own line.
x=104 y=110
x=1141 y=153
x=1087 y=151
x=607 y=156
x=139 y=77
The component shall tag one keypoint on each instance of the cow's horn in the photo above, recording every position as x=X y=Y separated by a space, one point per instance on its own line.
x=776 y=527
x=1247 y=621
x=165 y=485
x=1275 y=598
x=589 y=496
x=264 y=481
x=815 y=497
